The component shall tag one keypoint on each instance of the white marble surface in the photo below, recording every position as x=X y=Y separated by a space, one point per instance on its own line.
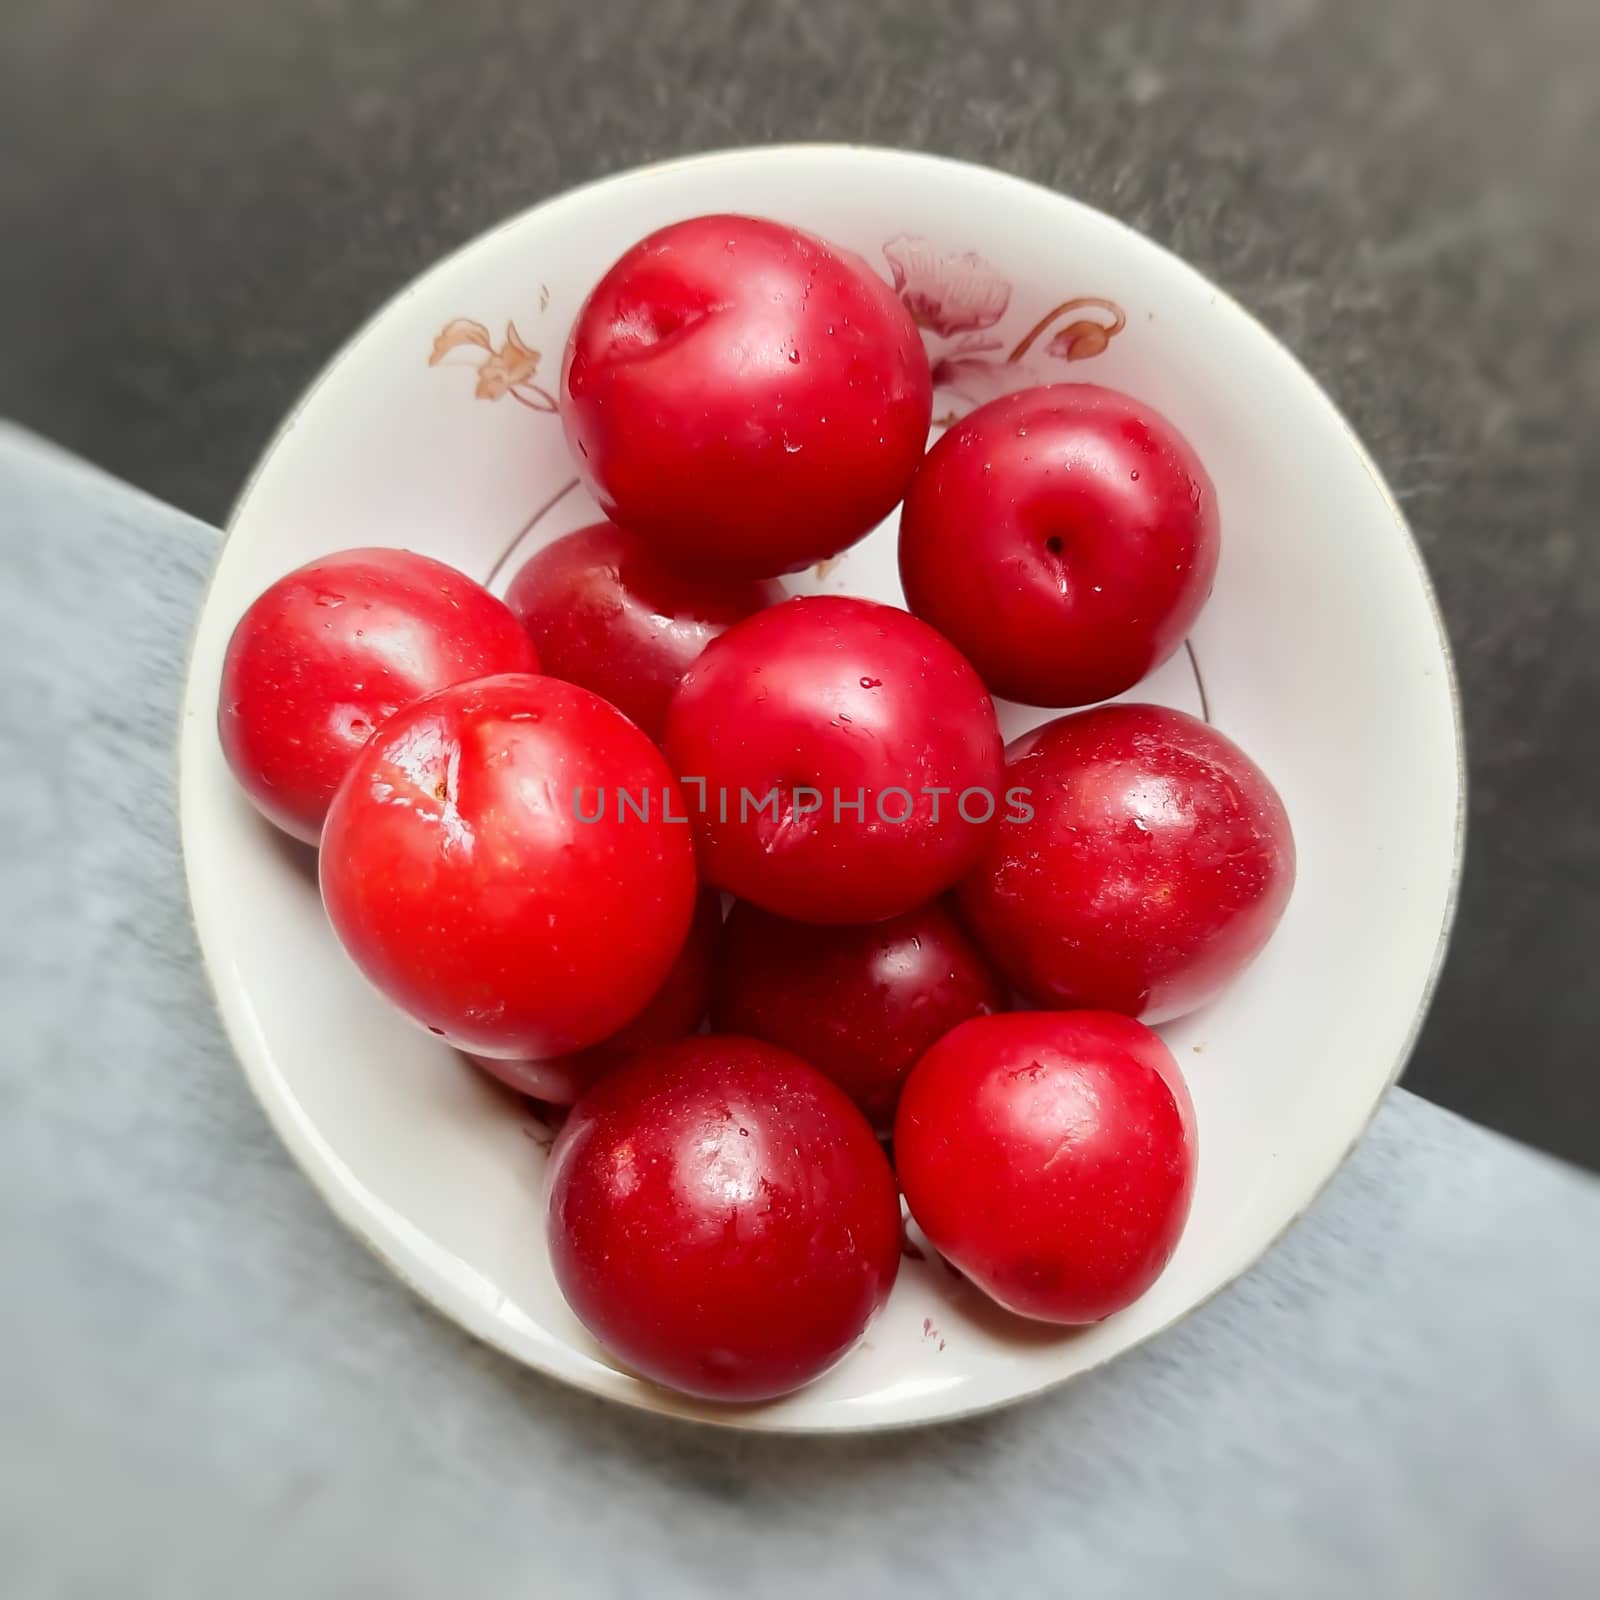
x=207 y=1388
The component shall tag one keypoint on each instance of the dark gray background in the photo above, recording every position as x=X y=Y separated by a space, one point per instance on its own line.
x=200 y=199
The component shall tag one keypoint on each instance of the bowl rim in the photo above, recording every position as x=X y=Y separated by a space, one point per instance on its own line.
x=339 y=1197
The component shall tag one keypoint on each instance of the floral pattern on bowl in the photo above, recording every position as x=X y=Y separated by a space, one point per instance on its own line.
x=503 y=369
x=955 y=297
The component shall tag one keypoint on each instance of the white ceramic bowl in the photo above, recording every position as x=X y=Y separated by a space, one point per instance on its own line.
x=1321 y=652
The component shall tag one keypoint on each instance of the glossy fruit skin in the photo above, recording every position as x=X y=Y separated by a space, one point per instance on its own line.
x=1050 y=1156
x=458 y=874
x=1064 y=538
x=842 y=697
x=332 y=650
x=744 y=396
x=722 y=1218
x=605 y=612
x=1156 y=865
x=673 y=1012
x=861 y=1004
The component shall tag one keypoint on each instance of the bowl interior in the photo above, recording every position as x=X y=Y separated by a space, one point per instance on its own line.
x=1320 y=652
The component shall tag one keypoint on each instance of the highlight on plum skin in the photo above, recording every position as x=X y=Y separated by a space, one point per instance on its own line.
x=327 y=654
x=869 y=745
x=722 y=1218
x=462 y=880
x=1155 y=866
x=1064 y=538
x=745 y=397
x=1050 y=1157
